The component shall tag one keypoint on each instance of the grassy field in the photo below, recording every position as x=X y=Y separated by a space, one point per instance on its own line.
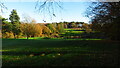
x=59 y=52
x=66 y=51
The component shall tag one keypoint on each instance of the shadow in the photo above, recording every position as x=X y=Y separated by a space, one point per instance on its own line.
x=51 y=52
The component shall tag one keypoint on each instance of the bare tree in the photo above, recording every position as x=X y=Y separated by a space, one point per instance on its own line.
x=2 y=6
x=44 y=7
x=48 y=7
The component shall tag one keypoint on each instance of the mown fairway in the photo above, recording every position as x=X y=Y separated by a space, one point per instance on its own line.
x=59 y=52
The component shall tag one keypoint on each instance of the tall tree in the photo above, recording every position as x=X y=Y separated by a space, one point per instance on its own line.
x=14 y=18
x=15 y=21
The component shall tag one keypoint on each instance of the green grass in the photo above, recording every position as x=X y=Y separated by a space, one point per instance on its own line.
x=71 y=32
x=37 y=51
x=68 y=29
x=59 y=52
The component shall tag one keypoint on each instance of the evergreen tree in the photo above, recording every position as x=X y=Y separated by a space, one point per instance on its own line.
x=15 y=21
x=14 y=18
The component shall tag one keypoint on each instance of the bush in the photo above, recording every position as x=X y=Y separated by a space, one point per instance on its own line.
x=8 y=35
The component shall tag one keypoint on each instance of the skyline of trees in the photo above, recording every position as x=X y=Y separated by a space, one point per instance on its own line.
x=29 y=27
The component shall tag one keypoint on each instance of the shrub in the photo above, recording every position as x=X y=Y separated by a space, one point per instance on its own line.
x=8 y=35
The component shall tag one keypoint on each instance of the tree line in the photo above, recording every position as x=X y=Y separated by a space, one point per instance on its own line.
x=29 y=27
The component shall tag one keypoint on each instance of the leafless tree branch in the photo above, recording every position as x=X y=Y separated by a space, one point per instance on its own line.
x=2 y=6
x=48 y=7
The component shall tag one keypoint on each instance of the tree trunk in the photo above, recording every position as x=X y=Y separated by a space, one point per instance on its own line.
x=27 y=37
x=14 y=36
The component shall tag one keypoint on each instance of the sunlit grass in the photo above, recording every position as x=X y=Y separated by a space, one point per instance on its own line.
x=4 y=50
x=77 y=31
x=32 y=38
x=68 y=29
